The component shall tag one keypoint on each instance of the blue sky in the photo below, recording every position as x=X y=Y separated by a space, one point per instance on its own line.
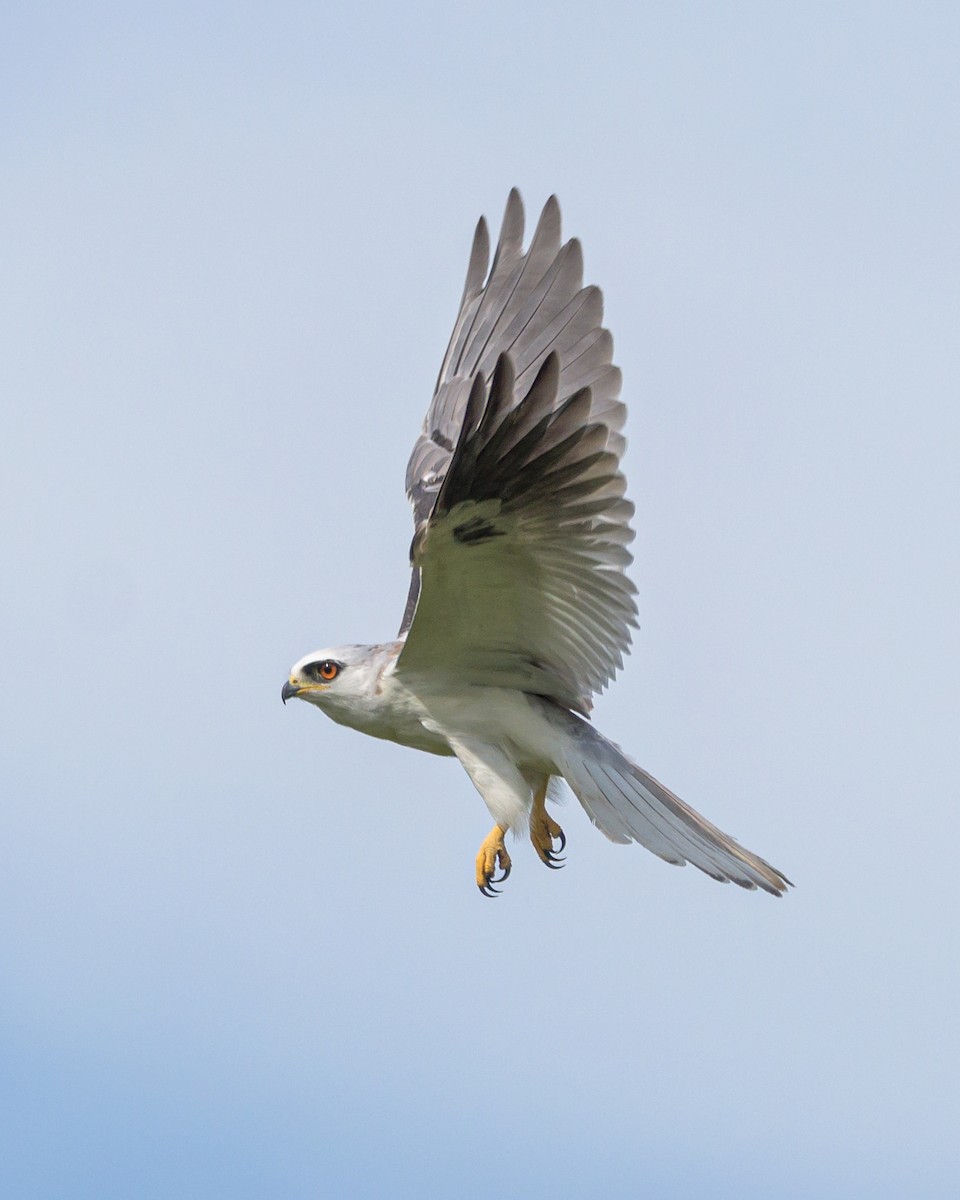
x=241 y=952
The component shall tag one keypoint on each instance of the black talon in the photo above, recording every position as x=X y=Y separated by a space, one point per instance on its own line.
x=504 y=876
x=562 y=839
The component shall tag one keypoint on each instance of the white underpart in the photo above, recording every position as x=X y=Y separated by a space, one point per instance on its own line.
x=508 y=742
x=503 y=743
x=497 y=778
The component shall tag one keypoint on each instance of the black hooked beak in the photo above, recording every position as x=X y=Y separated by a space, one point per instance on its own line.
x=289 y=691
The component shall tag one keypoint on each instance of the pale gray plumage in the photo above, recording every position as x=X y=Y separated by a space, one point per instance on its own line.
x=532 y=305
x=520 y=609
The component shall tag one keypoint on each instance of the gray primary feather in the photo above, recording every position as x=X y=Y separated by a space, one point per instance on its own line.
x=528 y=307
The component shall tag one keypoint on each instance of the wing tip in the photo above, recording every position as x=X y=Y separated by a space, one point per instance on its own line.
x=479 y=262
x=511 y=228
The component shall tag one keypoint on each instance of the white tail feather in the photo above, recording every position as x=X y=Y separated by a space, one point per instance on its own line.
x=627 y=804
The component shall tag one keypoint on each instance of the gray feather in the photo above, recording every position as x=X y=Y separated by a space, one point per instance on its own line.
x=521 y=527
x=624 y=800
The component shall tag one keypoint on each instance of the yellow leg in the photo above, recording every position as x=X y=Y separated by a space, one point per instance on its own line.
x=492 y=852
x=544 y=831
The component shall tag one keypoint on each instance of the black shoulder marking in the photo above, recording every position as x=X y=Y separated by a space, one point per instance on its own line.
x=479 y=529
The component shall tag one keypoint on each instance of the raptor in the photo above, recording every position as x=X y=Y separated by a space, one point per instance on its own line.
x=520 y=609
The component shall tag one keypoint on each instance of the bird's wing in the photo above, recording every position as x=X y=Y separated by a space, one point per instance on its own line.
x=521 y=525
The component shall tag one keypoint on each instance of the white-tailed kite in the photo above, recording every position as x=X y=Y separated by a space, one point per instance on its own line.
x=519 y=607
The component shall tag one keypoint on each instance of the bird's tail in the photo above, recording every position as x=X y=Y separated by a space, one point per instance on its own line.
x=628 y=805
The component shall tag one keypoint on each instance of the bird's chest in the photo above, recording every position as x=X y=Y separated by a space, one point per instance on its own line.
x=497 y=717
x=395 y=717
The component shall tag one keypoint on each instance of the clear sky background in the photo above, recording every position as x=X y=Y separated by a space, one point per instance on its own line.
x=241 y=950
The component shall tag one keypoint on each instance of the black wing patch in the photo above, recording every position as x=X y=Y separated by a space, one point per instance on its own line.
x=477 y=530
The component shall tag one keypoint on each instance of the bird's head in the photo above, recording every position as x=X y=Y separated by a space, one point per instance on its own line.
x=335 y=678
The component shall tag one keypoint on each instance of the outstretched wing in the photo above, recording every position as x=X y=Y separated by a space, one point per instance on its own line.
x=521 y=525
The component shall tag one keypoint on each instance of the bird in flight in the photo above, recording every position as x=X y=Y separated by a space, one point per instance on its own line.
x=519 y=608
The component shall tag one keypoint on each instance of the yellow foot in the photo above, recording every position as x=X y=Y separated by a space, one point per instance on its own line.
x=544 y=831
x=492 y=854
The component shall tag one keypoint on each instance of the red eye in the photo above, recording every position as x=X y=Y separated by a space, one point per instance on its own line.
x=328 y=670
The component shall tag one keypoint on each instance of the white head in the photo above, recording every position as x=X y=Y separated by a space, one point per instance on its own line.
x=342 y=680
